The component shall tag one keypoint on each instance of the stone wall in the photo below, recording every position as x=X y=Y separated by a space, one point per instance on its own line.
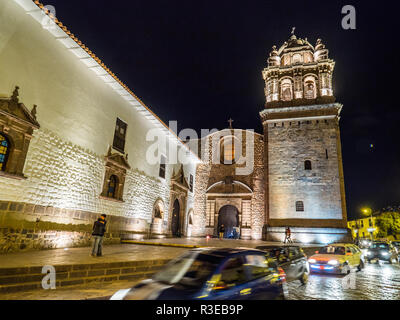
x=209 y=173
x=290 y=144
x=29 y=227
x=63 y=175
x=62 y=191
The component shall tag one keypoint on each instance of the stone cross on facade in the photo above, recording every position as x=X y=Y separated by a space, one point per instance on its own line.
x=230 y=123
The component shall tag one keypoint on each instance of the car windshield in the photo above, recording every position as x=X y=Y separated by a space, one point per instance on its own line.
x=396 y=243
x=271 y=251
x=191 y=269
x=379 y=246
x=333 y=250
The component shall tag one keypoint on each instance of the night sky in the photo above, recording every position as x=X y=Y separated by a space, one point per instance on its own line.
x=200 y=63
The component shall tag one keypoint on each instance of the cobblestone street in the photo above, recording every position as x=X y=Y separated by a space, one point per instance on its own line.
x=376 y=282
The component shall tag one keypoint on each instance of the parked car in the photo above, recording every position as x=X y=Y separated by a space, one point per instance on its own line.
x=382 y=251
x=213 y=274
x=291 y=259
x=338 y=258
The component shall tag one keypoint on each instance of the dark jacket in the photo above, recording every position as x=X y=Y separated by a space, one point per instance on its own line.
x=99 y=228
x=221 y=229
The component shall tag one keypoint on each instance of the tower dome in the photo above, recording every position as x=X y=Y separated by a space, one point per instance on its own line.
x=298 y=73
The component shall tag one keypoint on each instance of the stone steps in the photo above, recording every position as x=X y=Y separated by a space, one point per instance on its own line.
x=30 y=278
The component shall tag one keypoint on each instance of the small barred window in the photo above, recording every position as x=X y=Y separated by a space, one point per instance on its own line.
x=300 y=206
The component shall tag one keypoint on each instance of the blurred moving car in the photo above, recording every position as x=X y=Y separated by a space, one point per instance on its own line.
x=213 y=274
x=338 y=258
x=365 y=243
x=291 y=259
x=382 y=251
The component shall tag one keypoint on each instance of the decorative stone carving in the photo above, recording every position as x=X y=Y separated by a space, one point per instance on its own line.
x=116 y=168
x=17 y=124
x=179 y=191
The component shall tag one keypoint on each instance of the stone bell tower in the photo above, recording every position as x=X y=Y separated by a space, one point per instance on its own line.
x=303 y=158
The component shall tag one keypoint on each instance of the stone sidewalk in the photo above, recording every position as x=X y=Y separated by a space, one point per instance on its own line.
x=112 y=253
x=136 y=251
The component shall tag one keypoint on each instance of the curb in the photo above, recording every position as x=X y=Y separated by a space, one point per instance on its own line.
x=175 y=245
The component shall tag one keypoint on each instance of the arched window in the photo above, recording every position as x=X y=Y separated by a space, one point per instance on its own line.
x=112 y=187
x=299 y=206
x=157 y=213
x=286 y=90
x=228 y=150
x=307 y=165
x=286 y=60
x=4 y=151
x=310 y=91
x=297 y=58
x=158 y=209
x=308 y=57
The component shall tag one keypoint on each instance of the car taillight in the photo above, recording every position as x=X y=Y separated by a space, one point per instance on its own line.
x=282 y=274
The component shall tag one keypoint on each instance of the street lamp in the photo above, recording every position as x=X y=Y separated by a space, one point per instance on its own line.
x=368 y=211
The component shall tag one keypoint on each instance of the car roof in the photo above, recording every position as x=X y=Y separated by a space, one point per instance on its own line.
x=340 y=245
x=277 y=246
x=225 y=252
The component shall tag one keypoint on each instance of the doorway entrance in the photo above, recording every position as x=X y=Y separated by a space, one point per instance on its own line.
x=229 y=217
x=175 y=222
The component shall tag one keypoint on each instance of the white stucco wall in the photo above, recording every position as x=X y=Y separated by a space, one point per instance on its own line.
x=77 y=112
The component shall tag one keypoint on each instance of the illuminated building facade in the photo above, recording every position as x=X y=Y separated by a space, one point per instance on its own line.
x=304 y=171
x=74 y=144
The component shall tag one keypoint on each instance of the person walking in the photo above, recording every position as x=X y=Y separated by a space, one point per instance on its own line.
x=99 y=228
x=288 y=238
x=221 y=232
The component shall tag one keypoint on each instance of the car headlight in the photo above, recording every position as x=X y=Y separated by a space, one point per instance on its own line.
x=312 y=261
x=368 y=253
x=385 y=253
x=333 y=262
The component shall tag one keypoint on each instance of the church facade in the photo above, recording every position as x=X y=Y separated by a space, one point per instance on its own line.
x=76 y=142
x=297 y=179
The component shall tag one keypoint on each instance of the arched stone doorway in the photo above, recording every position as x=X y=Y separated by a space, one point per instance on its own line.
x=175 y=221
x=229 y=217
x=189 y=223
x=158 y=216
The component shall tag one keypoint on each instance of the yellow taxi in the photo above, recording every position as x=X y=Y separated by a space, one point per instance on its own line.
x=338 y=258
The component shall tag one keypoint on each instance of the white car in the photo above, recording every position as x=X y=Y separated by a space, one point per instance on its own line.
x=338 y=258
